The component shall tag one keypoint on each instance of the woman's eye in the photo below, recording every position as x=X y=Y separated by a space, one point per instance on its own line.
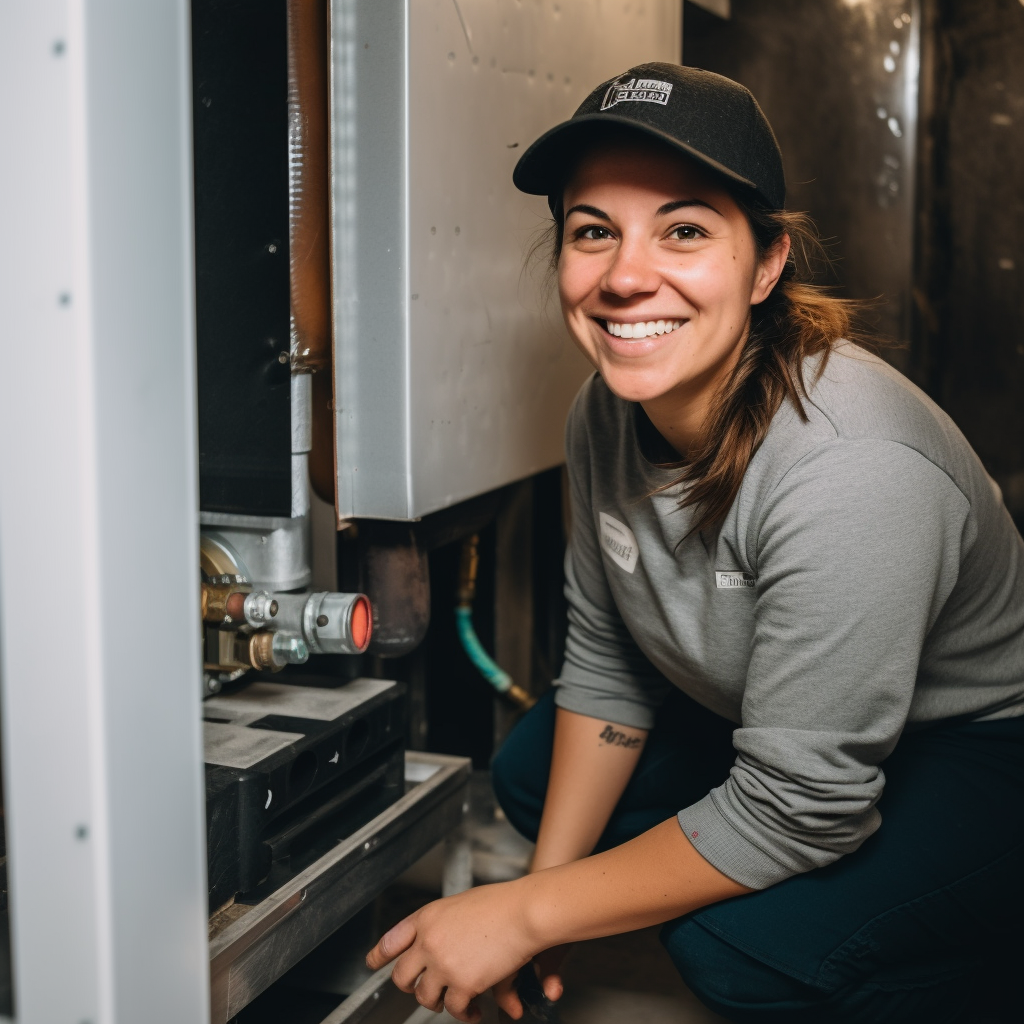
x=686 y=233
x=594 y=233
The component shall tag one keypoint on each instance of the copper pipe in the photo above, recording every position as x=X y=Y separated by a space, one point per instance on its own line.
x=309 y=227
x=308 y=186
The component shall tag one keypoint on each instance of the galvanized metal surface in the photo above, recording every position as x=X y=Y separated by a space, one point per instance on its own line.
x=274 y=550
x=453 y=369
x=256 y=949
x=102 y=743
x=838 y=81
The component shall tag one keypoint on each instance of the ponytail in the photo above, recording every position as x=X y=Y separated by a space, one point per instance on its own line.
x=797 y=320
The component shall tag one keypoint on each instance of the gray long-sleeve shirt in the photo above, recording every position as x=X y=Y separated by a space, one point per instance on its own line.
x=866 y=579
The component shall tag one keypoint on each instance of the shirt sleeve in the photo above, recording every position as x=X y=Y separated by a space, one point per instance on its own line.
x=605 y=674
x=856 y=553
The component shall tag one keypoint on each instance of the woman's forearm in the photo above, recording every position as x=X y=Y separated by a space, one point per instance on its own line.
x=654 y=878
x=591 y=764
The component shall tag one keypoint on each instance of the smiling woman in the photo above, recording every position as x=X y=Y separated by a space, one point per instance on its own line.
x=791 y=715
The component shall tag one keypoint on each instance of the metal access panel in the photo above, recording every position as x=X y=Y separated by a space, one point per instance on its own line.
x=453 y=370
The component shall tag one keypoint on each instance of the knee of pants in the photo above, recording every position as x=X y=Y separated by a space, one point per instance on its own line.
x=746 y=990
x=519 y=770
x=730 y=982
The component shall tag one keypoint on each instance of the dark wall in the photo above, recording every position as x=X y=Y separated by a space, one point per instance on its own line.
x=932 y=219
x=973 y=229
x=832 y=79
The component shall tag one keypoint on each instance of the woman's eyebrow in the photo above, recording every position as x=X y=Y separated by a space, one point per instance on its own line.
x=681 y=203
x=678 y=204
x=590 y=211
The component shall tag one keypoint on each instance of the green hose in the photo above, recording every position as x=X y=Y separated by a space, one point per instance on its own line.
x=489 y=668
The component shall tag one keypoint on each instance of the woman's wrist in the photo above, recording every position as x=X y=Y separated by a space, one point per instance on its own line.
x=539 y=914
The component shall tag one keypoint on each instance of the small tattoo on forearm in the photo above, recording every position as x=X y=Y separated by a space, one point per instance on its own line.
x=615 y=738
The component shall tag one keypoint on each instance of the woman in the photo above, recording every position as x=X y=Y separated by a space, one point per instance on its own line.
x=790 y=713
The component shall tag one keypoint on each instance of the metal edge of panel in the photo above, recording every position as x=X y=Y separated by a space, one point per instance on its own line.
x=253 y=952
x=376 y=995
x=369 y=258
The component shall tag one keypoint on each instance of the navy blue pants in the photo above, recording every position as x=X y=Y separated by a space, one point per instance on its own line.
x=901 y=931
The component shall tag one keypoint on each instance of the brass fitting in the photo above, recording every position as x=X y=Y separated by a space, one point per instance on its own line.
x=520 y=697
x=270 y=652
x=258 y=651
x=223 y=602
x=468 y=565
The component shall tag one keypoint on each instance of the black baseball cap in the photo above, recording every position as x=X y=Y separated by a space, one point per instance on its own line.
x=711 y=119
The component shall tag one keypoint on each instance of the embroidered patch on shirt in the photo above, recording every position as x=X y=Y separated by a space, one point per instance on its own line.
x=637 y=90
x=619 y=541
x=733 y=580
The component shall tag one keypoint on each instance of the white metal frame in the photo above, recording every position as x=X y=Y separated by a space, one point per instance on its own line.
x=99 y=649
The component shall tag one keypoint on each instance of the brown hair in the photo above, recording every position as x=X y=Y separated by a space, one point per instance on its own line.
x=797 y=320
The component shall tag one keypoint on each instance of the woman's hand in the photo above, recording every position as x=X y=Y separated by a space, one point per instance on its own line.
x=452 y=950
x=548 y=966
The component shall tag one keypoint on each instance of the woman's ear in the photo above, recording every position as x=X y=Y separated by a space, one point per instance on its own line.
x=770 y=270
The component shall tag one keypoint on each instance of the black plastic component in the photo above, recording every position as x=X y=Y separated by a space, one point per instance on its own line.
x=323 y=786
x=240 y=116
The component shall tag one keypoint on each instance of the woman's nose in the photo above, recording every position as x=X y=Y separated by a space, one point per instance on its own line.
x=631 y=271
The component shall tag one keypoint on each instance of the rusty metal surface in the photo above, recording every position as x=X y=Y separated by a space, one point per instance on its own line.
x=838 y=81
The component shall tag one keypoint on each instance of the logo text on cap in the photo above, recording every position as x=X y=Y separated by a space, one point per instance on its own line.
x=637 y=90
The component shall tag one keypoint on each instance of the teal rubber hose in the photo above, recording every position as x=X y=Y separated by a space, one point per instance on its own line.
x=489 y=668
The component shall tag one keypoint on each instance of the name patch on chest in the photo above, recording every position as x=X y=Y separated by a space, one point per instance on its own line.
x=619 y=542
x=734 y=580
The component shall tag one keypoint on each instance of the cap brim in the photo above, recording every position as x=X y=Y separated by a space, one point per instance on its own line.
x=543 y=169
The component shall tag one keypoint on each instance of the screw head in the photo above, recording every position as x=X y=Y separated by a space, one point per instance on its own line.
x=322 y=620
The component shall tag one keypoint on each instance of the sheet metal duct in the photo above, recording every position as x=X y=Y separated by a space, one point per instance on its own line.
x=453 y=372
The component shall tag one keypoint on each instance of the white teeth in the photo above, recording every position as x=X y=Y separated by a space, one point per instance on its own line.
x=642 y=329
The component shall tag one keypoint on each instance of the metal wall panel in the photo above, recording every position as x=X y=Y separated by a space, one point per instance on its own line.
x=101 y=716
x=453 y=369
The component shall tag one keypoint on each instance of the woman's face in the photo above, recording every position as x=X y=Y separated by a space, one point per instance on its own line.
x=658 y=271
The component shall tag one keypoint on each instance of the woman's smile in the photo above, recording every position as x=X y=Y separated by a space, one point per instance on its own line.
x=641 y=328
x=657 y=273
